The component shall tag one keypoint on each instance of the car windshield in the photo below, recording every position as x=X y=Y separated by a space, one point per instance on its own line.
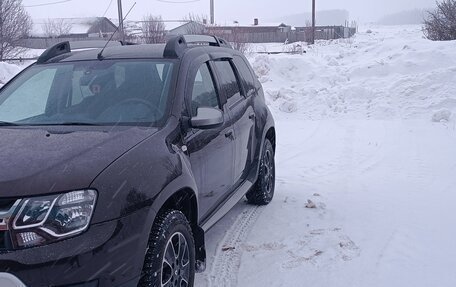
x=124 y=92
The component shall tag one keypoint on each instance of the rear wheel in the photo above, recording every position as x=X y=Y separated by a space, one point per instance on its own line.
x=170 y=257
x=263 y=190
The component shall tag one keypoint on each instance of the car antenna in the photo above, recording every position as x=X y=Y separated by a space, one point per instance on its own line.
x=100 y=55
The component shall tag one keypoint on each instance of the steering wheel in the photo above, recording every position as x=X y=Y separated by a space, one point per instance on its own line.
x=140 y=101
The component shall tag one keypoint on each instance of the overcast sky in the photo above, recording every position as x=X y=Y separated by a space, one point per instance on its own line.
x=225 y=10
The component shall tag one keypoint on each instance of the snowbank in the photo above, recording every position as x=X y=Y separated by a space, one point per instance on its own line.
x=390 y=73
x=7 y=71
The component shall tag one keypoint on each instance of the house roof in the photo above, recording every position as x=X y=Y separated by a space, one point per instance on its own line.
x=172 y=25
x=78 y=25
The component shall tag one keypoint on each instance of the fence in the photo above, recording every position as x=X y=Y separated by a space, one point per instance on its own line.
x=246 y=35
x=332 y=33
x=262 y=37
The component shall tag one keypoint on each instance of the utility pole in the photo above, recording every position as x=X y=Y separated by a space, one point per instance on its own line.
x=313 y=22
x=121 y=27
x=212 y=13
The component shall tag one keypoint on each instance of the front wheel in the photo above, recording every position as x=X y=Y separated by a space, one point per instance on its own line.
x=170 y=257
x=263 y=190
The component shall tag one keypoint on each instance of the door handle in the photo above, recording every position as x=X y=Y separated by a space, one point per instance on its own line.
x=252 y=116
x=230 y=134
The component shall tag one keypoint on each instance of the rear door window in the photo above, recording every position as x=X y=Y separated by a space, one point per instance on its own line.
x=246 y=76
x=228 y=81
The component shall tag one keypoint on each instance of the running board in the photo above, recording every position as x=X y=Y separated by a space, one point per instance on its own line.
x=228 y=205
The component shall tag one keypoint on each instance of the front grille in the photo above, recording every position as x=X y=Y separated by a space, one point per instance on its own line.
x=4 y=239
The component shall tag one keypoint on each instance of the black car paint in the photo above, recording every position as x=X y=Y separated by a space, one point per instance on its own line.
x=135 y=170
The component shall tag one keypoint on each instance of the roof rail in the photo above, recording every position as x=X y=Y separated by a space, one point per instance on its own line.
x=66 y=47
x=54 y=51
x=92 y=44
x=176 y=46
x=206 y=39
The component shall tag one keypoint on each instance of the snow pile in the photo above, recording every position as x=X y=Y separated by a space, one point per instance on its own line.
x=7 y=71
x=389 y=73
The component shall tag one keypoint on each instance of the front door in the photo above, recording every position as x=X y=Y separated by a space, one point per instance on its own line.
x=211 y=151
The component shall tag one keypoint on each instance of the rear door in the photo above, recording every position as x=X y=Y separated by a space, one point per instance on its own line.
x=242 y=115
x=211 y=151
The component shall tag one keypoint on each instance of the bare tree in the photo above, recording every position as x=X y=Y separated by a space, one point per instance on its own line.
x=440 y=25
x=153 y=29
x=15 y=25
x=56 y=27
x=233 y=35
x=239 y=43
x=195 y=24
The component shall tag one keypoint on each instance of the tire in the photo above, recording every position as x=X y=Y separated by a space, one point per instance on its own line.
x=171 y=234
x=263 y=190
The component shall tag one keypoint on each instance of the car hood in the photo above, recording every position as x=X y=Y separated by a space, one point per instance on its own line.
x=37 y=161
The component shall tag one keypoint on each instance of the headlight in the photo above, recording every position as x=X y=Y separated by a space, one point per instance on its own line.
x=46 y=219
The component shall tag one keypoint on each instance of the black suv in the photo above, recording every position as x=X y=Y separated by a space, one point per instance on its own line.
x=115 y=162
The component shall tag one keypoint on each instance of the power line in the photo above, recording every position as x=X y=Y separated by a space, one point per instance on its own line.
x=47 y=4
x=109 y=6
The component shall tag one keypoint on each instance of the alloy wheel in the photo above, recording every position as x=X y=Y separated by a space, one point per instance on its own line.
x=176 y=262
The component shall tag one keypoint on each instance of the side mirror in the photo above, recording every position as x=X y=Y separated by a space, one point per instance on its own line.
x=207 y=118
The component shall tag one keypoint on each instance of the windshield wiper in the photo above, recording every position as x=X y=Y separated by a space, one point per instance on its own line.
x=72 y=124
x=8 y=124
x=5 y=124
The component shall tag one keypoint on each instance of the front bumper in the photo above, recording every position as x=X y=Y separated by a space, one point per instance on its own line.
x=107 y=254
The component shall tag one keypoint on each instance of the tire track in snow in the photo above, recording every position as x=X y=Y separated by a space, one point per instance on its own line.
x=226 y=263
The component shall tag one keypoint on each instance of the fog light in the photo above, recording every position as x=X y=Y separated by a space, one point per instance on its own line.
x=28 y=239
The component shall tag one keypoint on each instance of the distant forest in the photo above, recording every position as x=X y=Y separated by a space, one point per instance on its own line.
x=409 y=17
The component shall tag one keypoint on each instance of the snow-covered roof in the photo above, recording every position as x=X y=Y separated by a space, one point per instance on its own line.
x=174 y=24
x=77 y=25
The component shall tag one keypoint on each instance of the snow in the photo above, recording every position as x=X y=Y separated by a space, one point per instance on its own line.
x=7 y=71
x=442 y=116
x=391 y=72
x=366 y=164
x=366 y=139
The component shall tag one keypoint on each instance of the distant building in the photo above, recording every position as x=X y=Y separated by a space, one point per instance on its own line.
x=182 y=28
x=100 y=27
x=254 y=33
x=48 y=32
x=252 y=28
x=277 y=32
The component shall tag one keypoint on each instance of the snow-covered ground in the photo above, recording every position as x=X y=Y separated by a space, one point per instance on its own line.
x=366 y=133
